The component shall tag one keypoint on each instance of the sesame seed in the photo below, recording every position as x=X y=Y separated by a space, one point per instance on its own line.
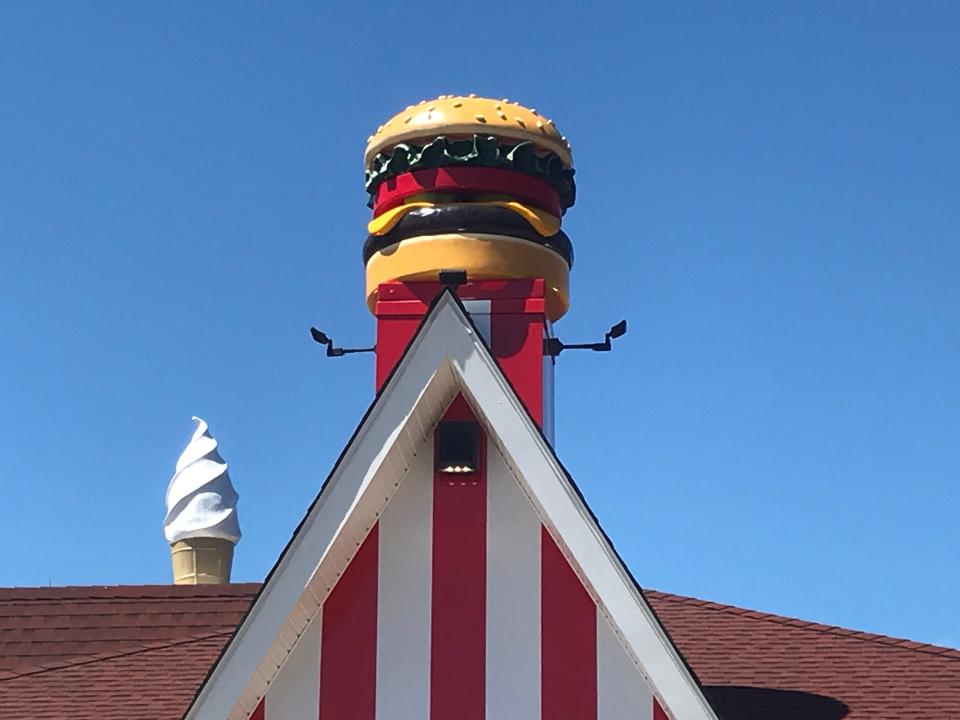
x=458 y=104
x=481 y=118
x=520 y=122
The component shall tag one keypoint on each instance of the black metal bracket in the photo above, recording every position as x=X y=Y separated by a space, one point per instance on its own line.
x=453 y=279
x=553 y=346
x=332 y=351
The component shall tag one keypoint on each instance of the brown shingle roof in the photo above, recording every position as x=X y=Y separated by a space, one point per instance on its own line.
x=141 y=652
x=40 y=626
x=757 y=665
x=111 y=652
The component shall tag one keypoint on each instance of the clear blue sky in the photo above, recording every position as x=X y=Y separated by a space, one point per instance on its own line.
x=768 y=193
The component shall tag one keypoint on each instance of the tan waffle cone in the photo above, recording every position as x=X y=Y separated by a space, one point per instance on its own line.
x=201 y=561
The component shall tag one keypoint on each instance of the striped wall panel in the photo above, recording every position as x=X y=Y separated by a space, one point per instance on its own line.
x=459 y=604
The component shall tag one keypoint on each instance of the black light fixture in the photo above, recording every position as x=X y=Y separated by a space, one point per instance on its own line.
x=553 y=346
x=321 y=337
x=457 y=447
x=453 y=279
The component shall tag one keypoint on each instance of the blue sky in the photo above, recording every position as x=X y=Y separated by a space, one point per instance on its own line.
x=767 y=192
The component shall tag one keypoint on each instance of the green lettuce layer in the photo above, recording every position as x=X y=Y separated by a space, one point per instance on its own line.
x=480 y=150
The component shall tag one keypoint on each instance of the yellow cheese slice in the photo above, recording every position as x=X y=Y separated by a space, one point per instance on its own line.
x=383 y=223
x=540 y=220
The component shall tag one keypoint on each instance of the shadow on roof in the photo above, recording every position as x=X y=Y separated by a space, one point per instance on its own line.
x=752 y=703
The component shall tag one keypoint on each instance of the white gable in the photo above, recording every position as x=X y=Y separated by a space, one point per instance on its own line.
x=379 y=481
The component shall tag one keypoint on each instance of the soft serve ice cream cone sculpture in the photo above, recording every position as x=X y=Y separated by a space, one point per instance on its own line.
x=201 y=524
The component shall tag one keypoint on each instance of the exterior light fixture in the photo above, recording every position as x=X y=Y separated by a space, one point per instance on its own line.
x=553 y=347
x=457 y=447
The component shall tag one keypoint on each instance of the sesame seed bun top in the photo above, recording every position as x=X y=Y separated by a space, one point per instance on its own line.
x=453 y=115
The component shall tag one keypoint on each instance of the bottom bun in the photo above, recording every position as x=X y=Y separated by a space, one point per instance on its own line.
x=484 y=257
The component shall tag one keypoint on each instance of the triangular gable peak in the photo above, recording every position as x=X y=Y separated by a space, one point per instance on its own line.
x=369 y=607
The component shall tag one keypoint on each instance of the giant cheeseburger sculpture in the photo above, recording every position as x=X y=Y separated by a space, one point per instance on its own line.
x=469 y=183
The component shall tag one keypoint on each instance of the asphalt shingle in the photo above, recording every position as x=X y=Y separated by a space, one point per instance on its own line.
x=105 y=653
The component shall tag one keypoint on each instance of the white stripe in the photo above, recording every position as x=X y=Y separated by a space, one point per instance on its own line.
x=622 y=693
x=480 y=314
x=295 y=693
x=403 y=604
x=513 y=596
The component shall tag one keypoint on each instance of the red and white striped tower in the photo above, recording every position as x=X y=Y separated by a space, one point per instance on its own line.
x=449 y=568
x=504 y=231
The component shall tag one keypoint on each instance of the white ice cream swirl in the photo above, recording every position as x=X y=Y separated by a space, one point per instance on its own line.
x=201 y=500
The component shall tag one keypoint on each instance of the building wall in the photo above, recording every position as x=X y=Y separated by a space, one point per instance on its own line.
x=458 y=601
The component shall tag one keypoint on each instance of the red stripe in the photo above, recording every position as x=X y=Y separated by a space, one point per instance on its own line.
x=258 y=714
x=569 y=639
x=426 y=290
x=467 y=180
x=658 y=713
x=458 y=629
x=517 y=343
x=389 y=308
x=348 y=642
x=393 y=336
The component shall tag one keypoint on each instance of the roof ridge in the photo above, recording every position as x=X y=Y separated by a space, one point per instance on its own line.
x=109 y=655
x=890 y=641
